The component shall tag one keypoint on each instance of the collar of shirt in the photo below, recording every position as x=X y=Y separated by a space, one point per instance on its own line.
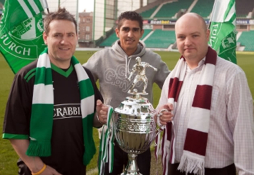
x=200 y=64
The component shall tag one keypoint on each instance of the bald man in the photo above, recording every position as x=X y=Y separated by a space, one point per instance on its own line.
x=209 y=117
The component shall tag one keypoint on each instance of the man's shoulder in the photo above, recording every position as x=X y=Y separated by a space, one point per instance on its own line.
x=28 y=71
x=87 y=71
x=152 y=53
x=228 y=67
x=221 y=62
x=104 y=50
x=100 y=54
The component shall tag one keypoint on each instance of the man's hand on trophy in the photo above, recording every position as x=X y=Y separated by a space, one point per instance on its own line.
x=102 y=112
x=165 y=114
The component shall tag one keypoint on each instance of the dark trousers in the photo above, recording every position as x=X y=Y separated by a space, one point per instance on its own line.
x=23 y=169
x=121 y=160
x=229 y=170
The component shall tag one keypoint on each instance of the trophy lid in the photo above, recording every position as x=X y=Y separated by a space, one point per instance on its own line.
x=136 y=106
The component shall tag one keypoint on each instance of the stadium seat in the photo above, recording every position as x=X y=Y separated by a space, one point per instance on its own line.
x=146 y=32
x=146 y=14
x=243 y=7
x=109 y=41
x=160 y=39
x=247 y=39
x=203 y=8
x=170 y=9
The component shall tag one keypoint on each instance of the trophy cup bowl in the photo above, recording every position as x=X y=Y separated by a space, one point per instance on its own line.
x=134 y=129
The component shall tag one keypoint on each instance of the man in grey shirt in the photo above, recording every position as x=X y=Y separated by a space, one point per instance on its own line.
x=112 y=66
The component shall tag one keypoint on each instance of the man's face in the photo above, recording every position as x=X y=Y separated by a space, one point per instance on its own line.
x=129 y=35
x=192 y=38
x=61 y=41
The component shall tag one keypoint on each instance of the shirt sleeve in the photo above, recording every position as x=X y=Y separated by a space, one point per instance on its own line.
x=18 y=109
x=240 y=116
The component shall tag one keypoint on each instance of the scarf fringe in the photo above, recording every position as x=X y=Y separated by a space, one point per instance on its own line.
x=190 y=164
x=36 y=148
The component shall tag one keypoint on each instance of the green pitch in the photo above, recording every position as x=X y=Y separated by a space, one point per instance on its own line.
x=8 y=157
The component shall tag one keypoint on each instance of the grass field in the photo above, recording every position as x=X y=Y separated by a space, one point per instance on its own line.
x=8 y=157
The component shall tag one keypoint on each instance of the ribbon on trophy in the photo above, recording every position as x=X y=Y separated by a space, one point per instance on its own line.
x=106 y=150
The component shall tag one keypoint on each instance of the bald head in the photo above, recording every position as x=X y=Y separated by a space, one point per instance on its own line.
x=193 y=18
x=192 y=38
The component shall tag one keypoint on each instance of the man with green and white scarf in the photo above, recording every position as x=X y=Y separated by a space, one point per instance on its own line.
x=52 y=106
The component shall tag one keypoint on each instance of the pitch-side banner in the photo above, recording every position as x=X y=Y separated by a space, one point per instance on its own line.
x=21 y=31
x=222 y=29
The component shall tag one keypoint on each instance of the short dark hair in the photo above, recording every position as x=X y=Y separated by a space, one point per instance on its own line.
x=60 y=14
x=130 y=15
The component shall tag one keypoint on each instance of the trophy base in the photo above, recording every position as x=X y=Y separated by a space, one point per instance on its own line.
x=131 y=173
x=132 y=166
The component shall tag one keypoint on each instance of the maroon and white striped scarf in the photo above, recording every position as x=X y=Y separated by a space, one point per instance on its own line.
x=193 y=158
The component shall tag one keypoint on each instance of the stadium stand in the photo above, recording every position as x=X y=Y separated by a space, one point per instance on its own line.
x=169 y=10
x=146 y=32
x=147 y=14
x=160 y=39
x=109 y=41
x=203 y=8
x=243 y=7
x=247 y=40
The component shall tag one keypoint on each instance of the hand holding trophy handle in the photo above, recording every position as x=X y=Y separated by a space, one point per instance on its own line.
x=101 y=112
x=164 y=115
x=161 y=126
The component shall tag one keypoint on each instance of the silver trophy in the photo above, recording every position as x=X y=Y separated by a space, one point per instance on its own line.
x=134 y=125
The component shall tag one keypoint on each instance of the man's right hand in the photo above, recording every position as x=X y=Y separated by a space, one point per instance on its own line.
x=34 y=164
x=166 y=114
x=102 y=111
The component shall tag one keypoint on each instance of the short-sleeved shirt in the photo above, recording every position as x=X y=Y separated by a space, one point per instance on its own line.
x=67 y=146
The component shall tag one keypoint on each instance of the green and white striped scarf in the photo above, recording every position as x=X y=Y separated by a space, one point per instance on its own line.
x=106 y=154
x=41 y=122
